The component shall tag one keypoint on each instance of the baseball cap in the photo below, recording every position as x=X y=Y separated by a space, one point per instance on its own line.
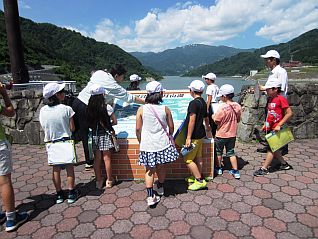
x=154 y=87
x=226 y=90
x=51 y=89
x=134 y=77
x=96 y=89
x=210 y=76
x=273 y=82
x=197 y=86
x=271 y=53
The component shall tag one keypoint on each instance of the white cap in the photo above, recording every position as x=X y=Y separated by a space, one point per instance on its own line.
x=271 y=53
x=154 y=87
x=51 y=89
x=210 y=76
x=134 y=77
x=96 y=89
x=273 y=82
x=197 y=86
x=226 y=90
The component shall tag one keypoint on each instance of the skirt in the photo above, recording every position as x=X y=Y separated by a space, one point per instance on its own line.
x=102 y=142
x=151 y=159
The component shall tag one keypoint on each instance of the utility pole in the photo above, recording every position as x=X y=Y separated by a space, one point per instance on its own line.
x=19 y=71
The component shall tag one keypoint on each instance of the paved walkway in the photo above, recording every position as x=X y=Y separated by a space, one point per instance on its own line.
x=283 y=204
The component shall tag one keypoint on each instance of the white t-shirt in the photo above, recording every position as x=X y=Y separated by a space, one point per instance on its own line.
x=281 y=74
x=110 y=110
x=153 y=137
x=55 y=121
x=212 y=90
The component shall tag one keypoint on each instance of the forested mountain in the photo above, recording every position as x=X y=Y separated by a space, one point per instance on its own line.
x=182 y=59
x=303 y=48
x=77 y=55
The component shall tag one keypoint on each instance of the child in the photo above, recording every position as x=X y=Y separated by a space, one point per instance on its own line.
x=156 y=143
x=12 y=218
x=278 y=112
x=57 y=122
x=211 y=91
x=227 y=118
x=197 y=112
x=134 y=82
x=100 y=122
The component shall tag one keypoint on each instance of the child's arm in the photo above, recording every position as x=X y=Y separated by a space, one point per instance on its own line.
x=190 y=129
x=288 y=113
x=207 y=128
x=169 y=120
x=208 y=102
x=139 y=123
x=113 y=119
x=8 y=110
x=72 y=125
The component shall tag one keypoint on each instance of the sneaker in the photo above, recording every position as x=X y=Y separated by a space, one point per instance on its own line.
x=190 y=179
x=88 y=166
x=59 y=197
x=72 y=197
x=3 y=217
x=236 y=174
x=153 y=200
x=160 y=191
x=197 y=185
x=20 y=218
x=260 y=172
x=285 y=166
x=262 y=150
x=218 y=171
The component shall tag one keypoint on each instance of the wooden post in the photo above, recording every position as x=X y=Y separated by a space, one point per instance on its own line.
x=19 y=71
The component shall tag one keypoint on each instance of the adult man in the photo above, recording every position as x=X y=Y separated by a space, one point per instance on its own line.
x=272 y=61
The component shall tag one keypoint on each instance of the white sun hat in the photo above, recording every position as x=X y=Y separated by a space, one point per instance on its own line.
x=271 y=53
x=154 y=87
x=134 y=77
x=210 y=76
x=197 y=86
x=225 y=90
x=96 y=89
x=51 y=89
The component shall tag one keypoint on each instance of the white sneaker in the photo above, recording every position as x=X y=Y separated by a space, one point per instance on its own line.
x=160 y=191
x=153 y=200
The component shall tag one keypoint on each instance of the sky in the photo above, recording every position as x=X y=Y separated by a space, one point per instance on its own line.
x=157 y=25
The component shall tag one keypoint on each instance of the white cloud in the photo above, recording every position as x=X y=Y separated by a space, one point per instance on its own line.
x=24 y=5
x=187 y=23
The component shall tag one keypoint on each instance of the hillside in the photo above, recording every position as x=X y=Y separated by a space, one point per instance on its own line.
x=77 y=55
x=303 y=48
x=182 y=59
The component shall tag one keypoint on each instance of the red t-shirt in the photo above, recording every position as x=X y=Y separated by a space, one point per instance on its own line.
x=275 y=111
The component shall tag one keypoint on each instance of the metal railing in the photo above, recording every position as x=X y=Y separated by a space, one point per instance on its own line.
x=69 y=85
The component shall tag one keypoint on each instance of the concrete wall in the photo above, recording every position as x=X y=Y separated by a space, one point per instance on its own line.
x=303 y=99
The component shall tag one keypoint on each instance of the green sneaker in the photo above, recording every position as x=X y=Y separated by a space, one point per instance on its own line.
x=197 y=185
x=190 y=179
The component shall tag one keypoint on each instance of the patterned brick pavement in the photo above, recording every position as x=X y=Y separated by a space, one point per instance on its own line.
x=283 y=204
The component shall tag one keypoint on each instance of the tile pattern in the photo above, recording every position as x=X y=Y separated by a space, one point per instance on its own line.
x=283 y=204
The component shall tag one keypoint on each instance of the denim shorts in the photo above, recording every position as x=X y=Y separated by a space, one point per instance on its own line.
x=5 y=158
x=228 y=143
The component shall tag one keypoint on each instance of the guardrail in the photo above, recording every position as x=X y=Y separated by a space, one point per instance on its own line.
x=69 y=85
